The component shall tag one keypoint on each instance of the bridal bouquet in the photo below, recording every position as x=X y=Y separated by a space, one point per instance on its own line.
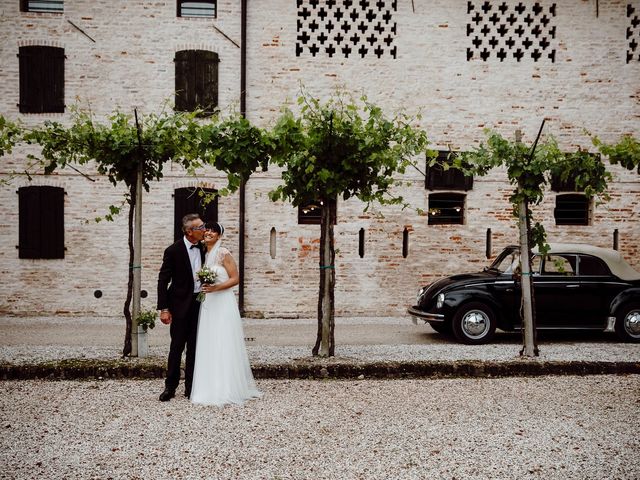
x=206 y=276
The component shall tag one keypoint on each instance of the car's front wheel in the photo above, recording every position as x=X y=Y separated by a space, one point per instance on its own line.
x=474 y=323
x=628 y=323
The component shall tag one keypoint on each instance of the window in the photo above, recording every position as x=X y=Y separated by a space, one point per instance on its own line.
x=272 y=242
x=437 y=178
x=592 y=266
x=191 y=200
x=405 y=242
x=198 y=9
x=536 y=264
x=557 y=185
x=41 y=222
x=446 y=208
x=572 y=209
x=43 y=6
x=559 y=265
x=569 y=185
x=311 y=214
x=41 y=79
x=196 y=81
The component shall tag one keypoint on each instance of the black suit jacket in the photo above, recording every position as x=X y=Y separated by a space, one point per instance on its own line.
x=175 y=281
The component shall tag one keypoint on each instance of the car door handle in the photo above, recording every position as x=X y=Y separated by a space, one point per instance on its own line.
x=573 y=286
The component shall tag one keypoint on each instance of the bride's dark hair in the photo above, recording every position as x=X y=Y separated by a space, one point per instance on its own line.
x=215 y=226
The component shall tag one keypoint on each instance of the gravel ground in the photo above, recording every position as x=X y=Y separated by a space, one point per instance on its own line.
x=269 y=354
x=508 y=428
x=26 y=340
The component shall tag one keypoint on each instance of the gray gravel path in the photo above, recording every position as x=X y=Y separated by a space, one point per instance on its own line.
x=508 y=428
x=25 y=354
x=358 y=339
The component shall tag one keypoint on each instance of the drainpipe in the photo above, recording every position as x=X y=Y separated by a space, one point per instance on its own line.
x=243 y=112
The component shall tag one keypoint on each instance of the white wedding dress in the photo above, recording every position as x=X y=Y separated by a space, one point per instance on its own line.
x=222 y=373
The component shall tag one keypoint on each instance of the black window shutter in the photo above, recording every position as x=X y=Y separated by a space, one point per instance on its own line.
x=184 y=83
x=53 y=68
x=196 y=80
x=206 y=81
x=468 y=182
x=28 y=224
x=41 y=222
x=29 y=88
x=437 y=178
x=449 y=178
x=52 y=222
x=187 y=200
x=571 y=209
x=41 y=79
x=432 y=174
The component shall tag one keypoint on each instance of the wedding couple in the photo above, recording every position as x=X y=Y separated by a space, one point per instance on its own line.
x=217 y=369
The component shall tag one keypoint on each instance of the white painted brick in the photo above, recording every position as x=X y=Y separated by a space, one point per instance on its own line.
x=131 y=65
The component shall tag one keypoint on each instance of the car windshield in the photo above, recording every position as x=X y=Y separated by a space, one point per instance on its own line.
x=507 y=262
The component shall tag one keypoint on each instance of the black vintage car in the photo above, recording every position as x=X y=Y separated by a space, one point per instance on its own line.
x=575 y=287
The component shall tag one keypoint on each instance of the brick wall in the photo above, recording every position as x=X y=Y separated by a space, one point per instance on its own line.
x=130 y=64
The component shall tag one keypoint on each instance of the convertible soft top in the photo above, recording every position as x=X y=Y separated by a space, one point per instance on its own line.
x=614 y=260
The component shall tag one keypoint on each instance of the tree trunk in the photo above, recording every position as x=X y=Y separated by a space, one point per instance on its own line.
x=126 y=351
x=529 y=348
x=325 y=344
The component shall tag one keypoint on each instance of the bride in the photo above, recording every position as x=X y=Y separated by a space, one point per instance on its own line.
x=222 y=373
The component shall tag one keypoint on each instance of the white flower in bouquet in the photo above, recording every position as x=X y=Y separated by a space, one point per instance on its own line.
x=206 y=277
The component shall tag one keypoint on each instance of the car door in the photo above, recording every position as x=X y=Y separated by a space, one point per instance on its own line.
x=557 y=292
x=506 y=289
x=598 y=287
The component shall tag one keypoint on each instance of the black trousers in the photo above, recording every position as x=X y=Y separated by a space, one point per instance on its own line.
x=184 y=332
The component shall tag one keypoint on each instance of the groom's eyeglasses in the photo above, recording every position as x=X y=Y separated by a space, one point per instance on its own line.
x=201 y=227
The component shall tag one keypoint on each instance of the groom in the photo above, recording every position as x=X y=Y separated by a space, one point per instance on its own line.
x=177 y=292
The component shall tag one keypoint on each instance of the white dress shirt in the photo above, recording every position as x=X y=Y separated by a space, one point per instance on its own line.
x=196 y=263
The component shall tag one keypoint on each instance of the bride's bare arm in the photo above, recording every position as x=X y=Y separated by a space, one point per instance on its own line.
x=232 y=270
x=234 y=277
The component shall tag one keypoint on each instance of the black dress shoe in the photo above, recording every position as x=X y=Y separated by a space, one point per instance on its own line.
x=167 y=395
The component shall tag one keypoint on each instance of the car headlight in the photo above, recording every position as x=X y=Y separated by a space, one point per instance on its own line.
x=420 y=294
x=440 y=300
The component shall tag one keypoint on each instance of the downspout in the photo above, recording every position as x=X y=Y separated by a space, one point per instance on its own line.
x=243 y=112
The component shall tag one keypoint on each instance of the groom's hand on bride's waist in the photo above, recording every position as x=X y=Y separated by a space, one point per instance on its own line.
x=165 y=316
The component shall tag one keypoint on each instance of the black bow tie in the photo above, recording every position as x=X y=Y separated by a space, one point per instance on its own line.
x=195 y=246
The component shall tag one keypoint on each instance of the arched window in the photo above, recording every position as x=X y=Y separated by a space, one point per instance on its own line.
x=405 y=242
x=272 y=242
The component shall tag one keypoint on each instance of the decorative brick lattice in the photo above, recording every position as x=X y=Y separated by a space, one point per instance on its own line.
x=346 y=27
x=511 y=31
x=633 y=34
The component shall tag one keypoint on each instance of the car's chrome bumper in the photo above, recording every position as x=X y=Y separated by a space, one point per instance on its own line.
x=417 y=314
